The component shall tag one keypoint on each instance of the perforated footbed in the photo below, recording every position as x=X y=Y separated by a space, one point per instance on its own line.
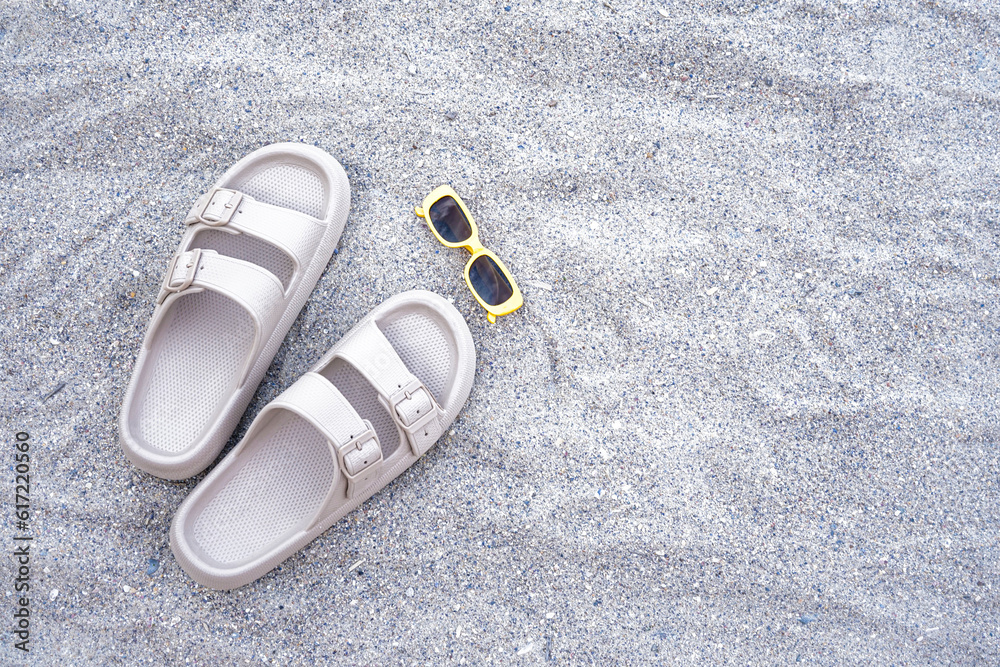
x=424 y=349
x=288 y=476
x=249 y=249
x=203 y=346
x=205 y=343
x=281 y=486
x=288 y=185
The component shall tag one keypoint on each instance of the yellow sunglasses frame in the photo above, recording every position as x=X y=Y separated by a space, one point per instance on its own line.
x=473 y=245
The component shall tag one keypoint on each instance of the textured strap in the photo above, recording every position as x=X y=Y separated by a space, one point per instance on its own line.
x=296 y=234
x=409 y=402
x=352 y=440
x=253 y=287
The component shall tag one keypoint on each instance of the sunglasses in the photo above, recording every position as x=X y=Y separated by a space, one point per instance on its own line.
x=487 y=277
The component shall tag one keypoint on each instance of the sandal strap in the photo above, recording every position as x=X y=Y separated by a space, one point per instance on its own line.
x=295 y=233
x=353 y=442
x=408 y=401
x=255 y=288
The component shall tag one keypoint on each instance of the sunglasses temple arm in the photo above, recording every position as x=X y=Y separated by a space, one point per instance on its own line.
x=419 y=211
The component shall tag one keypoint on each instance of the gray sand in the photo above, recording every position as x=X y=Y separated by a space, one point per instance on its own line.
x=748 y=414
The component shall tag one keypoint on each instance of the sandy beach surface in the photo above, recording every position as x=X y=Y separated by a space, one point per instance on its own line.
x=748 y=414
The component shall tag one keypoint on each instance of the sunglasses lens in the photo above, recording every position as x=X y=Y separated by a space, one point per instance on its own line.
x=449 y=221
x=489 y=281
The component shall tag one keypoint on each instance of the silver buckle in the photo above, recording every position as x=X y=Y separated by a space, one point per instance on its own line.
x=221 y=211
x=356 y=443
x=166 y=288
x=403 y=394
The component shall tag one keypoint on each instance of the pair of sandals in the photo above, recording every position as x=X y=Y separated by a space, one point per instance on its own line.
x=254 y=248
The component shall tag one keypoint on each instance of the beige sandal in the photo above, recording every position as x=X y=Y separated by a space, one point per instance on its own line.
x=365 y=413
x=255 y=246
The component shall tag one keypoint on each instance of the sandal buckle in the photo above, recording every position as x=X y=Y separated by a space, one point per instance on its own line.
x=219 y=207
x=405 y=393
x=192 y=267
x=348 y=454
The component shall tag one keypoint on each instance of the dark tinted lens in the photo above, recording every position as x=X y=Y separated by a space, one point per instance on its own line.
x=489 y=281
x=449 y=221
